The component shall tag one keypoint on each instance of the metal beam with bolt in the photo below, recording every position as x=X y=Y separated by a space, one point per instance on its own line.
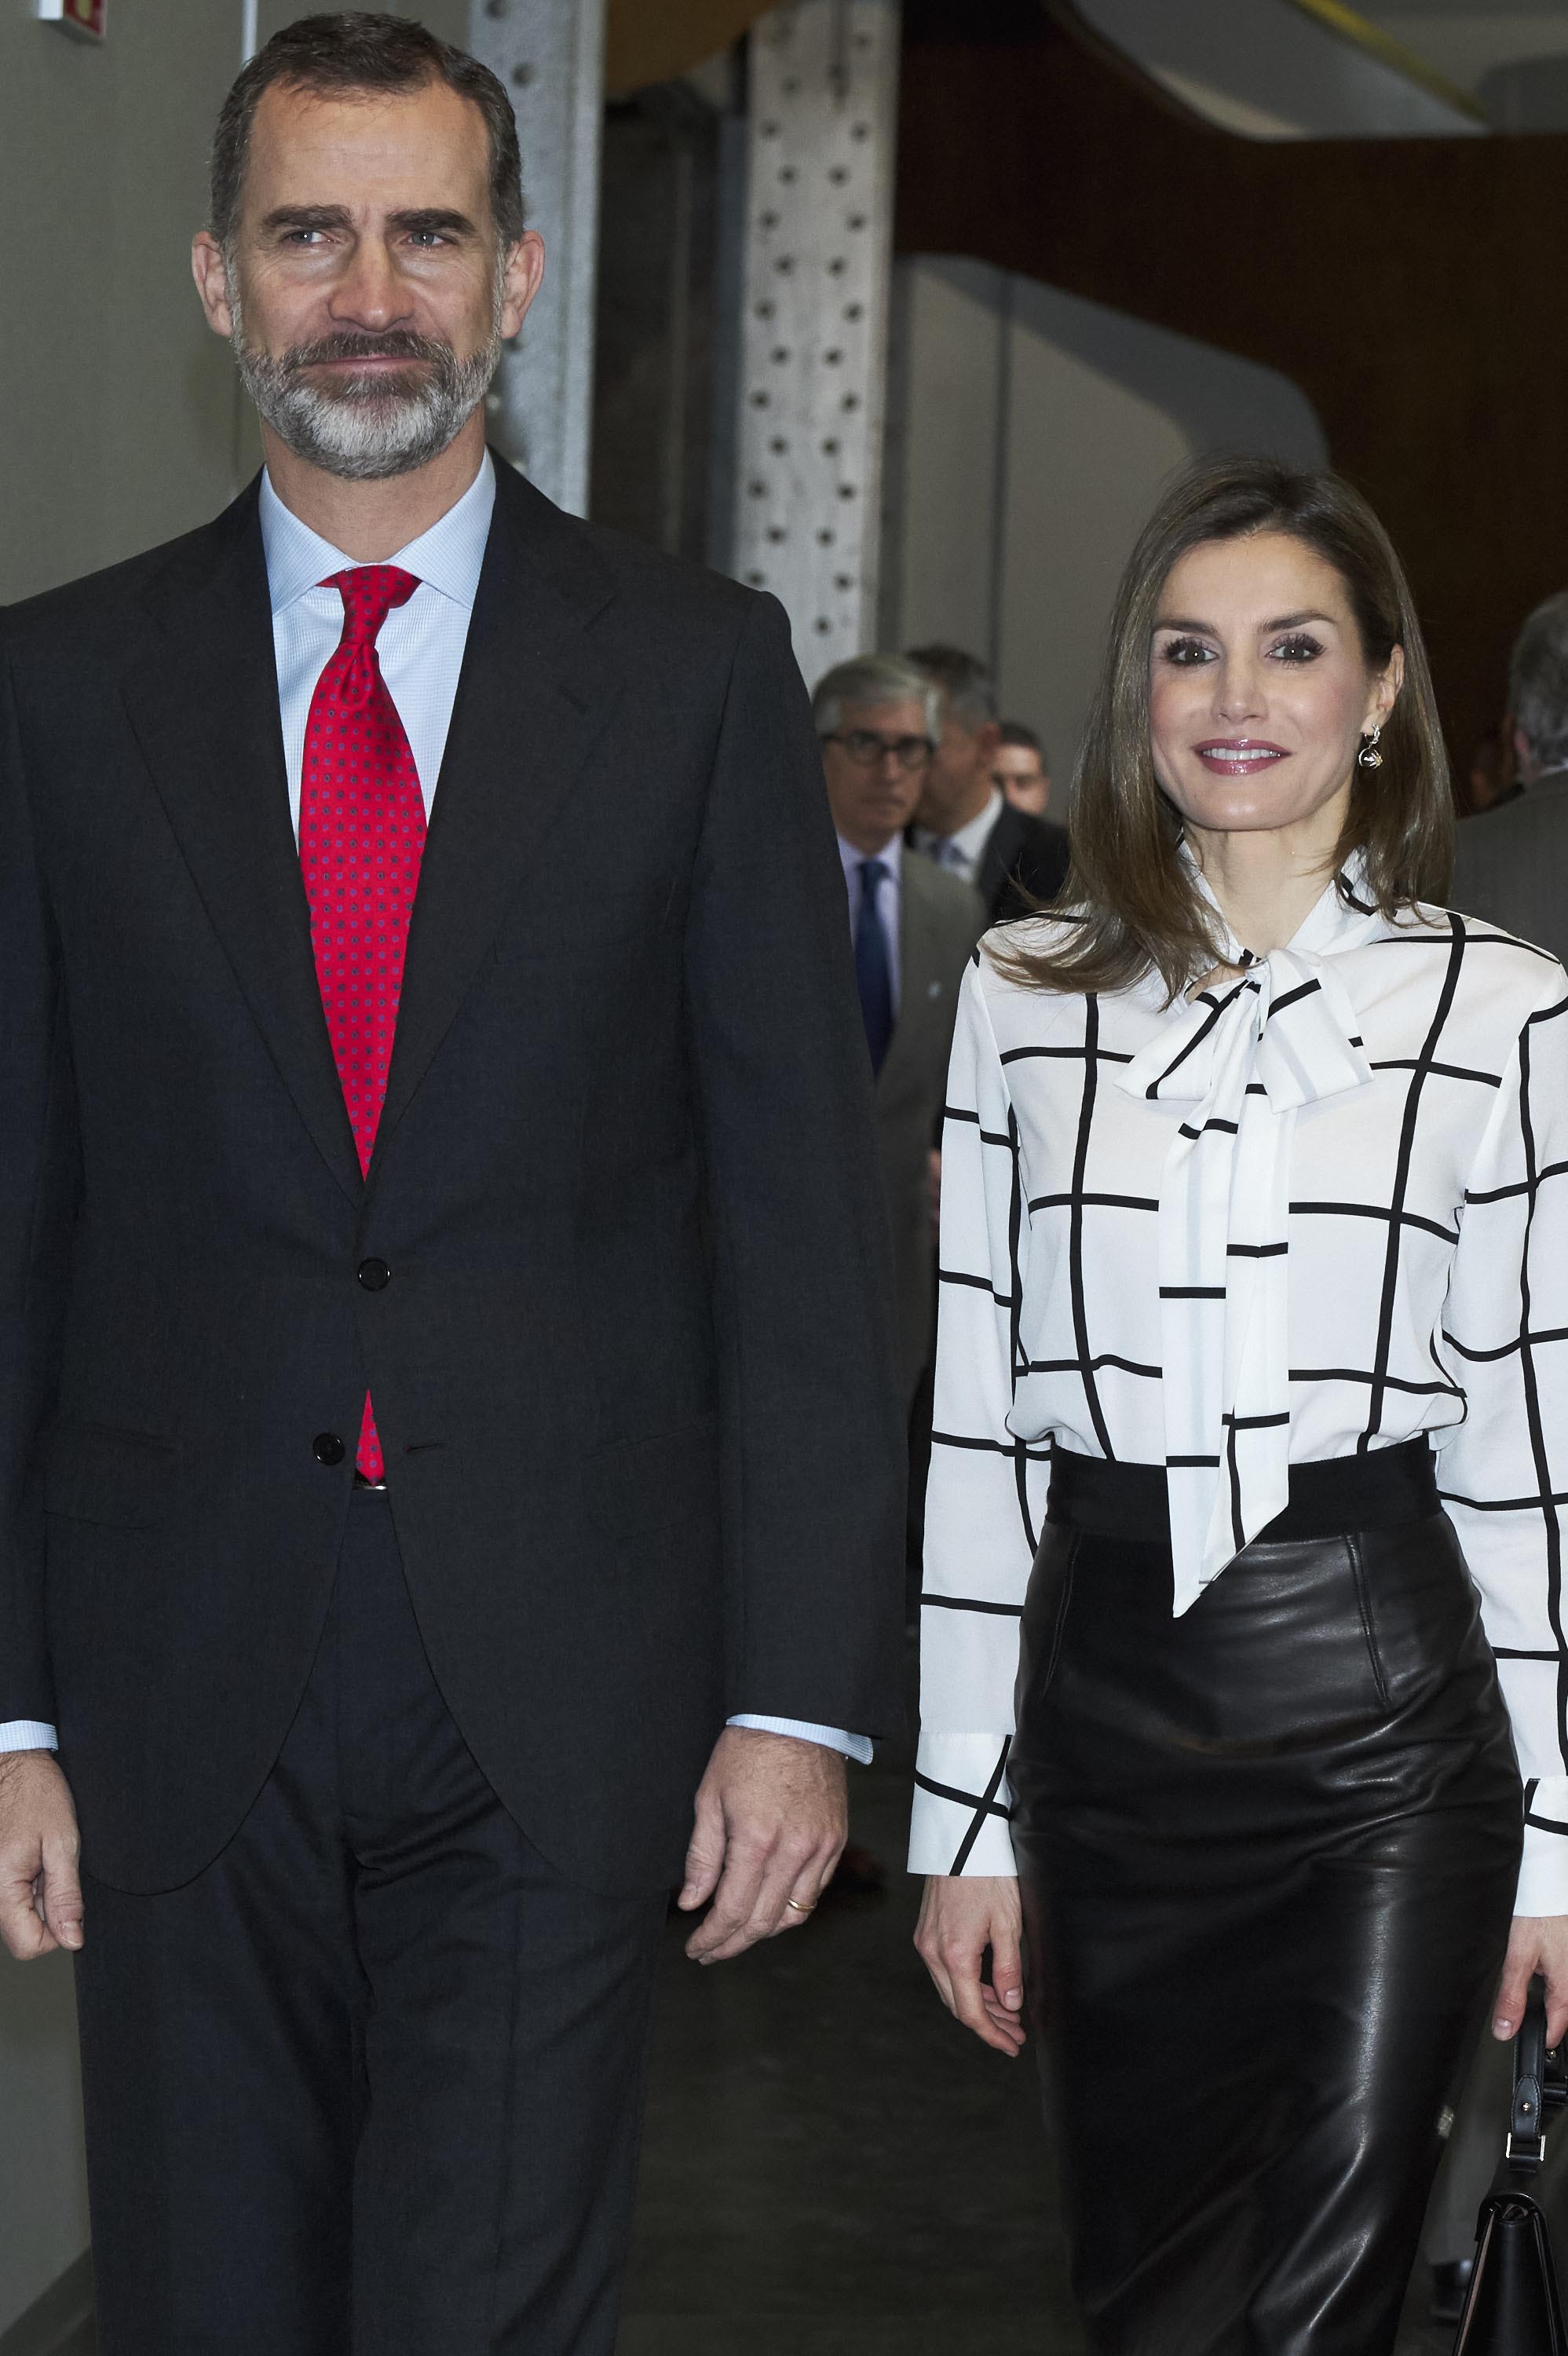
x=550 y=56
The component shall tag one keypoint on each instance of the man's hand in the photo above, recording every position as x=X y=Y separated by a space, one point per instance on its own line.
x=959 y=1920
x=773 y=1814
x=40 y=1891
x=1538 y=1943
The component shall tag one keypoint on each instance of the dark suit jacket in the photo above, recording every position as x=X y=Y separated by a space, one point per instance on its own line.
x=1513 y=864
x=939 y=920
x=1021 y=848
x=633 y=1370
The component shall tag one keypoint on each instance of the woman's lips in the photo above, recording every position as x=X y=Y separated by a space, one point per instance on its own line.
x=1239 y=756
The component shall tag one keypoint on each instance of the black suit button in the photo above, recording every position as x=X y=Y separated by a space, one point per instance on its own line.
x=374 y=1275
x=328 y=1449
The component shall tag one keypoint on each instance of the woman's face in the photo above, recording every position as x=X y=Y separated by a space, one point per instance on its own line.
x=1259 y=689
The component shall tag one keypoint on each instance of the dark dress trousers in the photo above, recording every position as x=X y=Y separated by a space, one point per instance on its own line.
x=617 y=1283
x=1020 y=851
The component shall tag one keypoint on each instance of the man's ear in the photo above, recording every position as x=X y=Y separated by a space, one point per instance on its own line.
x=988 y=740
x=210 y=271
x=521 y=278
x=1523 y=758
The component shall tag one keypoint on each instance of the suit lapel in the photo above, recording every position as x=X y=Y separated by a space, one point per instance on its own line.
x=533 y=695
x=996 y=858
x=918 y=956
x=203 y=701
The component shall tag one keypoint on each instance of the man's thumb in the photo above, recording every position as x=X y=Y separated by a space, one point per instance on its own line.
x=704 y=1859
x=63 y=1908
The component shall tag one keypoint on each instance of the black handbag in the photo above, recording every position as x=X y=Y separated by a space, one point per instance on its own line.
x=1512 y=2308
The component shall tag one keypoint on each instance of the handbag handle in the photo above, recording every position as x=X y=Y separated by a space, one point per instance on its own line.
x=1538 y=2082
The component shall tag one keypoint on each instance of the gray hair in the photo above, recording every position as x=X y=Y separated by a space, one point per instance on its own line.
x=872 y=680
x=1537 y=683
x=964 y=681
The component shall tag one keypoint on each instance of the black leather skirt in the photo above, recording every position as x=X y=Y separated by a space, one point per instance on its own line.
x=1268 y=1854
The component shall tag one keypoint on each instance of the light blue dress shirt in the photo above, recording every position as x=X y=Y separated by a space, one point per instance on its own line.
x=890 y=900
x=421 y=645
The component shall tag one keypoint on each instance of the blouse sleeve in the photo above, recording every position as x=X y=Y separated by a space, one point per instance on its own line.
x=1504 y=1471
x=985 y=1498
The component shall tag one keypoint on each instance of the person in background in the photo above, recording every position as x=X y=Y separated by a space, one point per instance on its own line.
x=1020 y=768
x=962 y=819
x=913 y=928
x=1512 y=868
x=1490 y=777
x=1512 y=862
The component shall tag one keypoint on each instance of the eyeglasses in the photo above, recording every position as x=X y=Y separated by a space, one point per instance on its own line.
x=866 y=748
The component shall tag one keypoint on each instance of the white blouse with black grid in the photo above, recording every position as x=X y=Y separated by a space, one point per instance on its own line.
x=1319 y=1208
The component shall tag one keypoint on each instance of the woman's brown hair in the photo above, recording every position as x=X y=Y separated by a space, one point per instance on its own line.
x=1138 y=908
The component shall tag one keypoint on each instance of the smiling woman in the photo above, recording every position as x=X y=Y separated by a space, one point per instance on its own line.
x=1322 y=612
x=1247 y=1244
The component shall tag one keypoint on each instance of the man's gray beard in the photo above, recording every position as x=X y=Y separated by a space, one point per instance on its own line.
x=367 y=428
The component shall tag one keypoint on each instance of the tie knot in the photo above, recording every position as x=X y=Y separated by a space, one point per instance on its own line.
x=368 y=592
x=874 y=873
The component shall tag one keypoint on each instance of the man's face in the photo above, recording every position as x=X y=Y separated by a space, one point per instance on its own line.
x=364 y=285
x=1018 y=769
x=872 y=799
x=957 y=786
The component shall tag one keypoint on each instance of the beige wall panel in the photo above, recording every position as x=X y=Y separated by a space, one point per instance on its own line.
x=951 y=370
x=1086 y=458
x=116 y=411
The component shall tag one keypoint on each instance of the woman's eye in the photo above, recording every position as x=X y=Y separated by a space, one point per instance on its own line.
x=1184 y=651
x=1298 y=649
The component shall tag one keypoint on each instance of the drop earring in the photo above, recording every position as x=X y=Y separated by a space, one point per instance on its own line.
x=1368 y=758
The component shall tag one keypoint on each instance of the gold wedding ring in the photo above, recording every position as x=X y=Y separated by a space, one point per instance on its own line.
x=798 y=1907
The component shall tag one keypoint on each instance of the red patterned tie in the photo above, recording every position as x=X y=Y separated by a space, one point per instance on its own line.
x=361 y=837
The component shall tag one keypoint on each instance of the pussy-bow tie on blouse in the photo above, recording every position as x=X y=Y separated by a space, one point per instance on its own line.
x=1246 y=1055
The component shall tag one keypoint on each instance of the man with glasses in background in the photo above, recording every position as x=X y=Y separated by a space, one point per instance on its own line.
x=912 y=927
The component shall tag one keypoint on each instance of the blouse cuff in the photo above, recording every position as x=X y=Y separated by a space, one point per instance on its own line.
x=962 y=1806
x=1543 y=1875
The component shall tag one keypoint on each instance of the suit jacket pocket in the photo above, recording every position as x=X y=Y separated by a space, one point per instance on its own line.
x=649 y=1485
x=98 y=1472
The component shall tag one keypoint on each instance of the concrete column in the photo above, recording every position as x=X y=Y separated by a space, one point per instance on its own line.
x=550 y=56
x=822 y=114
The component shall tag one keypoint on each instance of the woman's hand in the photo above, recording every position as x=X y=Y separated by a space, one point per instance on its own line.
x=1538 y=1943
x=958 y=1921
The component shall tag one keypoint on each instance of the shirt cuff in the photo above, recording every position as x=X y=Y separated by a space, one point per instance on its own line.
x=1543 y=1874
x=27 y=1734
x=832 y=1738
x=962 y=1806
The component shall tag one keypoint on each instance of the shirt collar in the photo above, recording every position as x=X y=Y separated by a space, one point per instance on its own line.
x=970 y=839
x=448 y=556
x=891 y=855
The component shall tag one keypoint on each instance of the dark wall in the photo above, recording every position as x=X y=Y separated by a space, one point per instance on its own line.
x=659 y=391
x=1412 y=288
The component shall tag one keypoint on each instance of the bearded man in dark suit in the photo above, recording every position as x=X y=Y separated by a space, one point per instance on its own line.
x=450 y=1451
